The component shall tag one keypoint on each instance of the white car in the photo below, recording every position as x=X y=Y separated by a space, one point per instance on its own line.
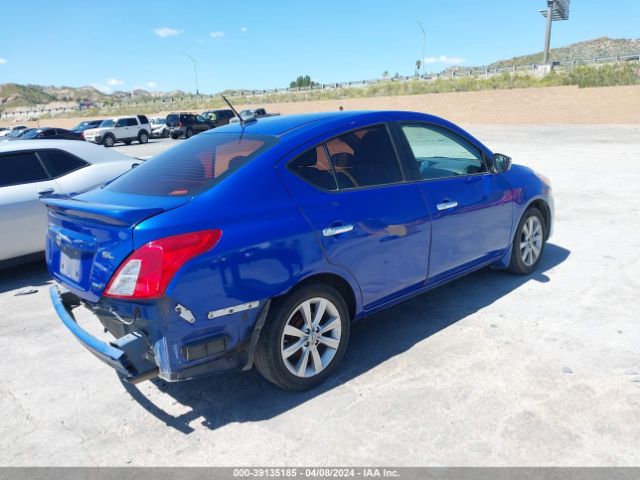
x=120 y=129
x=7 y=131
x=31 y=169
x=159 y=127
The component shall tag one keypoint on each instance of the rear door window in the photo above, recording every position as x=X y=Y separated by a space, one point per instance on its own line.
x=21 y=168
x=60 y=163
x=314 y=167
x=364 y=158
x=132 y=122
x=193 y=166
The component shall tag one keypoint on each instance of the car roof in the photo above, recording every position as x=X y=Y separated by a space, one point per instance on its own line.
x=300 y=128
x=87 y=151
x=282 y=124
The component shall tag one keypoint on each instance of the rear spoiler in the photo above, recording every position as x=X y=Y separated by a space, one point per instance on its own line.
x=119 y=215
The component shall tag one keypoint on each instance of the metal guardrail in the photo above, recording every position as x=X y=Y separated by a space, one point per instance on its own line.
x=452 y=73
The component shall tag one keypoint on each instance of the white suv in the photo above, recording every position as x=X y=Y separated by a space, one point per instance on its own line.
x=120 y=129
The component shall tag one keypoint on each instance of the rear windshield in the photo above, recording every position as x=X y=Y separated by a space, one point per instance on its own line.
x=192 y=166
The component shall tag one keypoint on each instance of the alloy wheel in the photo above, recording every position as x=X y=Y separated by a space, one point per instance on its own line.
x=531 y=240
x=311 y=337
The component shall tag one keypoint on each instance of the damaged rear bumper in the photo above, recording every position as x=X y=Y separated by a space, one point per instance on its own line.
x=129 y=355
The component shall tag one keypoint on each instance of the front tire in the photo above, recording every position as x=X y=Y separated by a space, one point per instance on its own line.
x=528 y=243
x=304 y=338
x=188 y=133
x=108 y=141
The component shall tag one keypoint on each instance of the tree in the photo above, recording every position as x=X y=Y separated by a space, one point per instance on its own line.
x=385 y=74
x=303 y=81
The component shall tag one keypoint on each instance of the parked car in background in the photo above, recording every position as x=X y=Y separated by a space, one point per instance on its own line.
x=30 y=169
x=219 y=117
x=159 y=127
x=50 y=134
x=124 y=129
x=86 y=125
x=251 y=114
x=16 y=134
x=187 y=124
x=262 y=244
x=8 y=130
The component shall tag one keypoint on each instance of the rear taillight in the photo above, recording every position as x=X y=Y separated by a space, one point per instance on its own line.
x=146 y=273
x=181 y=124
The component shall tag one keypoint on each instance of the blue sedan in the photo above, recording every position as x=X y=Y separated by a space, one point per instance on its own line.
x=260 y=243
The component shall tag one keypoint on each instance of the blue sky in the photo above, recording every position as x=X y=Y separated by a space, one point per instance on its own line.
x=264 y=44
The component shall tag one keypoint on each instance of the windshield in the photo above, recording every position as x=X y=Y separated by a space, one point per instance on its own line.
x=159 y=121
x=193 y=166
x=107 y=123
x=82 y=126
x=31 y=134
x=17 y=133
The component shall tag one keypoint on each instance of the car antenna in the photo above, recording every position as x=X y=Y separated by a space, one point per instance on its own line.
x=234 y=111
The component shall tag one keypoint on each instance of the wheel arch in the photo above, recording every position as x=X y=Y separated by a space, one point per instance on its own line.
x=346 y=287
x=544 y=208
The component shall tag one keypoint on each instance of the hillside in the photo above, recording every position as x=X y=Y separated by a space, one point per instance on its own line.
x=14 y=95
x=598 y=47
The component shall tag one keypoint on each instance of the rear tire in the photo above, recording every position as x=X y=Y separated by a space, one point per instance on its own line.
x=174 y=136
x=143 y=137
x=188 y=133
x=528 y=243
x=304 y=337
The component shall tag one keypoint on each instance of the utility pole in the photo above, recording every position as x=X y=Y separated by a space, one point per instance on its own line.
x=195 y=69
x=424 y=42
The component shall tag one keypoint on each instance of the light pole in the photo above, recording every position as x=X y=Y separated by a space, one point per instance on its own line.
x=195 y=69
x=556 y=10
x=424 y=42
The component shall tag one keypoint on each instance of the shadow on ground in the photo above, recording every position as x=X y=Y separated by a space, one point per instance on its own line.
x=246 y=396
x=32 y=274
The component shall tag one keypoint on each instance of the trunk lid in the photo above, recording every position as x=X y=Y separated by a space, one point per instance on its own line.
x=90 y=234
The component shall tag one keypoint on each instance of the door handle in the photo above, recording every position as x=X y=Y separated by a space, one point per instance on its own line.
x=446 y=205
x=332 y=231
x=45 y=191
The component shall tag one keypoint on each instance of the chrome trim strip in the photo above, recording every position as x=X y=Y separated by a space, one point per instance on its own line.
x=331 y=231
x=228 y=311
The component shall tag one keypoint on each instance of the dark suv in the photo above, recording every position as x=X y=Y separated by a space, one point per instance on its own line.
x=186 y=124
x=219 y=117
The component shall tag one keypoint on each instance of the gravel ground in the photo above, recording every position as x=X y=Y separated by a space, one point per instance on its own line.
x=492 y=369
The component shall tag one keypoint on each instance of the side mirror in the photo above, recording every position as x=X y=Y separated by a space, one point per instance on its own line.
x=501 y=162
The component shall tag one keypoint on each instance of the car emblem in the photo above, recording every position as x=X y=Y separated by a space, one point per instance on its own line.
x=107 y=255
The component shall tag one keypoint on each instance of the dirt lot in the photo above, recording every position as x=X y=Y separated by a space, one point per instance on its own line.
x=565 y=105
x=492 y=369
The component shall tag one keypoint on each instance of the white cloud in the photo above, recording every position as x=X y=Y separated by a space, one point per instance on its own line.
x=152 y=85
x=244 y=29
x=166 y=32
x=3 y=61
x=217 y=34
x=445 y=59
x=114 y=82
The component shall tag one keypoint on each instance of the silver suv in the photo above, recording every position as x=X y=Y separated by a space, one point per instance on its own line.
x=120 y=129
